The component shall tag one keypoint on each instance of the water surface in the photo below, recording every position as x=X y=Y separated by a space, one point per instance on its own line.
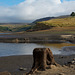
x=5 y=33
x=9 y=49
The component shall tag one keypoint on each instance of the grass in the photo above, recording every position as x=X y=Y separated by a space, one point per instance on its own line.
x=16 y=27
x=4 y=29
x=55 y=30
x=61 y=22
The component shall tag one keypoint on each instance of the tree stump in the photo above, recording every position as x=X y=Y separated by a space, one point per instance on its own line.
x=43 y=58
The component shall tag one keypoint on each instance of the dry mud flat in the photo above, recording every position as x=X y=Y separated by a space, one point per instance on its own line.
x=12 y=64
x=36 y=38
x=65 y=70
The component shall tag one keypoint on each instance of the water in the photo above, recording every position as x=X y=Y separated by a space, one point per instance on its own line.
x=9 y=49
x=68 y=50
x=5 y=33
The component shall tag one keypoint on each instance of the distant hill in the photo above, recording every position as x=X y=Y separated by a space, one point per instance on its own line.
x=43 y=19
x=49 y=18
x=14 y=23
x=60 y=22
x=14 y=27
x=40 y=24
x=49 y=22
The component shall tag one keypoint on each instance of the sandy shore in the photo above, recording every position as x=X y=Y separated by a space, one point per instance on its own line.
x=13 y=63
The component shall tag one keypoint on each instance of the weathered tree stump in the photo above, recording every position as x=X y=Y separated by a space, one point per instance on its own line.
x=43 y=58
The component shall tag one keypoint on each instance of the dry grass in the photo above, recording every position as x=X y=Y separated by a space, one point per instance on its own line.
x=11 y=25
x=56 y=30
x=61 y=22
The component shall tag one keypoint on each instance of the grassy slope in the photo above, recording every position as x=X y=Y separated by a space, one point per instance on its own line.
x=16 y=27
x=61 y=22
x=55 y=31
x=58 y=26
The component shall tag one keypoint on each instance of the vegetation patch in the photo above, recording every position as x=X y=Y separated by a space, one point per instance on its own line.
x=21 y=28
x=39 y=26
x=4 y=29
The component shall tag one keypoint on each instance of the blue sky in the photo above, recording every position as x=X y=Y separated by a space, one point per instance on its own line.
x=30 y=10
x=15 y=2
x=10 y=2
x=67 y=0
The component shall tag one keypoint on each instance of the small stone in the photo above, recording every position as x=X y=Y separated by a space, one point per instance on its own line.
x=69 y=63
x=73 y=58
x=62 y=57
x=53 y=66
x=72 y=66
x=22 y=69
x=63 y=65
x=61 y=74
x=72 y=62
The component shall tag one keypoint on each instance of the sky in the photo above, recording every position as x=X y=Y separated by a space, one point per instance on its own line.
x=23 y=11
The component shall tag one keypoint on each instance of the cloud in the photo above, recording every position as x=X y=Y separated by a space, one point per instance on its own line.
x=30 y=10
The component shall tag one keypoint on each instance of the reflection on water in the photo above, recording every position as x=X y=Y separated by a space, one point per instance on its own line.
x=59 y=45
x=8 y=49
x=5 y=33
x=63 y=48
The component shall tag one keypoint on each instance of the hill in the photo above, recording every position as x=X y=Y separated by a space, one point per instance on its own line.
x=60 y=22
x=60 y=25
x=14 y=27
x=43 y=19
x=49 y=18
x=39 y=24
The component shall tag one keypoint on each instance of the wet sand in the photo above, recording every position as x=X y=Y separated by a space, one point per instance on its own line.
x=13 y=63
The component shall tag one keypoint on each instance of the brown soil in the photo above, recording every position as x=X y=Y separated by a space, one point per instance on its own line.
x=12 y=64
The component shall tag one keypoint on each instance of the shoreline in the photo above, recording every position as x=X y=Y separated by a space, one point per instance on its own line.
x=36 y=38
x=13 y=63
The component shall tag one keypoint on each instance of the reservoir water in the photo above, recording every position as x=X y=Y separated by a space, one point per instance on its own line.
x=10 y=49
x=5 y=33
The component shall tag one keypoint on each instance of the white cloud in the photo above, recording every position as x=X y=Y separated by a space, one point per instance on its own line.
x=30 y=10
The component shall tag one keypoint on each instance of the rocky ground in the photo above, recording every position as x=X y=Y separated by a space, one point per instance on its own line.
x=20 y=65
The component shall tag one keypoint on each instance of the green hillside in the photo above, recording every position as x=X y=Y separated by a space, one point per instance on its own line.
x=14 y=27
x=4 y=29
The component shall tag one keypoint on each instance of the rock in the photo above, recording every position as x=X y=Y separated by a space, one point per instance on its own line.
x=61 y=74
x=72 y=66
x=74 y=59
x=63 y=65
x=72 y=62
x=5 y=73
x=69 y=63
x=61 y=57
x=53 y=66
x=22 y=69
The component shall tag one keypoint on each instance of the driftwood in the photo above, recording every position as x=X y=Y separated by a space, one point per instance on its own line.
x=43 y=58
